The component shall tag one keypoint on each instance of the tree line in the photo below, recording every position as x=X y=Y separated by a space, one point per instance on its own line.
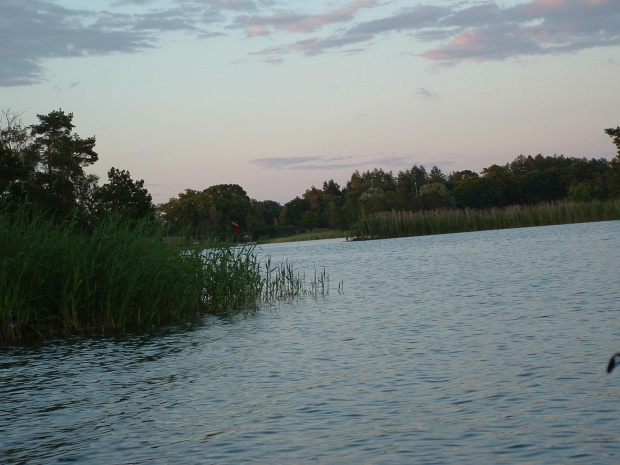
x=43 y=165
x=527 y=180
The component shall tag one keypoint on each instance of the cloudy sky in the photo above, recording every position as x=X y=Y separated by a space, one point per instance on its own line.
x=278 y=95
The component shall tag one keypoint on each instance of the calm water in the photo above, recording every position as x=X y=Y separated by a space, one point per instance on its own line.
x=479 y=348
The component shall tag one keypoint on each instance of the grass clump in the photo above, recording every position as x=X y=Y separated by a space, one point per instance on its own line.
x=404 y=224
x=58 y=280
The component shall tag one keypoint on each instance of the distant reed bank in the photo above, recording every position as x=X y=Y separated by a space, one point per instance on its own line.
x=58 y=280
x=404 y=224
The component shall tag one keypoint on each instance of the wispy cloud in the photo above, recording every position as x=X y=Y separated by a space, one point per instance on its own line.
x=537 y=27
x=487 y=31
x=278 y=163
x=316 y=163
x=302 y=23
x=422 y=92
x=34 y=31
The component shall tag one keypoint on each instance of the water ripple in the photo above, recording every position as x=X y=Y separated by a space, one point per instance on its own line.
x=477 y=348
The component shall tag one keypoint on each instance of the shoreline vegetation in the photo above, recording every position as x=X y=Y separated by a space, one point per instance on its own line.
x=77 y=257
x=58 y=280
x=394 y=224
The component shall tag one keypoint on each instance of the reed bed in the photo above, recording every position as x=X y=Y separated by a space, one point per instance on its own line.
x=404 y=224
x=57 y=280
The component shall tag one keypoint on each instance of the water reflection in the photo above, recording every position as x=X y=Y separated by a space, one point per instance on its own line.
x=472 y=348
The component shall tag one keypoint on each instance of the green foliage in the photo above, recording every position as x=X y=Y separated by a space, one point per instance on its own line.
x=124 y=196
x=43 y=165
x=413 y=179
x=525 y=181
x=377 y=179
x=436 y=196
x=332 y=189
x=292 y=212
x=61 y=156
x=436 y=175
x=263 y=218
x=614 y=176
x=58 y=280
x=615 y=135
x=208 y=213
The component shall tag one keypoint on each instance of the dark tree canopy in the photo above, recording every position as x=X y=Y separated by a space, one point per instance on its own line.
x=59 y=150
x=43 y=165
x=615 y=135
x=123 y=195
x=615 y=163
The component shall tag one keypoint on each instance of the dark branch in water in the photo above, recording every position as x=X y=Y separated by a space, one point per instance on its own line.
x=613 y=362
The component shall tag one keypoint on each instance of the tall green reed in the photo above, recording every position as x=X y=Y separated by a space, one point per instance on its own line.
x=402 y=224
x=56 y=279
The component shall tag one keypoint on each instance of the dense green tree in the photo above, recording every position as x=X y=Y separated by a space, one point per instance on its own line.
x=436 y=175
x=16 y=166
x=483 y=192
x=413 y=179
x=374 y=200
x=263 y=218
x=293 y=211
x=331 y=188
x=232 y=204
x=434 y=196
x=191 y=212
x=614 y=175
x=457 y=176
x=61 y=156
x=334 y=216
x=615 y=135
x=123 y=195
x=376 y=178
x=209 y=212
x=310 y=220
x=521 y=165
x=504 y=181
x=585 y=191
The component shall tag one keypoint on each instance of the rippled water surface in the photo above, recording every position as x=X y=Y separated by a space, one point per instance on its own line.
x=479 y=348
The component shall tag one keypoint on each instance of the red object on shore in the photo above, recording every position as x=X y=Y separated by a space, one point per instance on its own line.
x=235 y=228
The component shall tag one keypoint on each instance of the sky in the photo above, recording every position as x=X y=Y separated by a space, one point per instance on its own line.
x=278 y=96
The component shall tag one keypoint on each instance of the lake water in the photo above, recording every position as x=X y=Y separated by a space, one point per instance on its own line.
x=475 y=348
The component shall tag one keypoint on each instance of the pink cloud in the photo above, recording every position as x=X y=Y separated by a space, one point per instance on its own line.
x=534 y=28
x=481 y=32
x=300 y=23
x=258 y=31
x=542 y=7
x=346 y=13
x=483 y=44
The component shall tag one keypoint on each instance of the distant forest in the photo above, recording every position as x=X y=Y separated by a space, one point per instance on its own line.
x=527 y=180
x=42 y=167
